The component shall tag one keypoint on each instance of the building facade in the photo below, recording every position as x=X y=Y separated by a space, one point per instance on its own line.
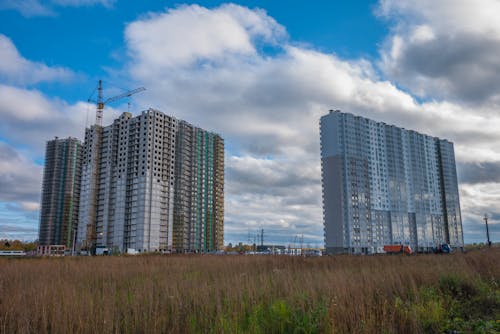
x=384 y=185
x=148 y=185
x=60 y=192
x=199 y=190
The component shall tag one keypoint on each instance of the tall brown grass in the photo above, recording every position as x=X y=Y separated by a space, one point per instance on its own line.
x=226 y=294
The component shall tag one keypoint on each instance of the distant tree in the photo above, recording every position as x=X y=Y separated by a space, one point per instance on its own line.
x=240 y=247
x=31 y=246
x=18 y=245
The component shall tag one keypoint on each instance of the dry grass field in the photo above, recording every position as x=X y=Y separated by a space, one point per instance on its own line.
x=252 y=294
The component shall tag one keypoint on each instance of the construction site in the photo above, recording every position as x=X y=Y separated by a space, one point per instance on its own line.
x=149 y=183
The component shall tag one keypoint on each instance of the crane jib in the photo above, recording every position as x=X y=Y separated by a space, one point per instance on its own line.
x=101 y=102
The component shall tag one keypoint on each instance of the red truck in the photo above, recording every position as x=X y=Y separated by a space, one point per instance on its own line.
x=395 y=249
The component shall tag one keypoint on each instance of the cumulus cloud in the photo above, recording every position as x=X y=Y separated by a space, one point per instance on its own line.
x=16 y=69
x=484 y=172
x=476 y=201
x=42 y=118
x=20 y=178
x=269 y=174
x=33 y=8
x=446 y=49
x=269 y=194
x=190 y=34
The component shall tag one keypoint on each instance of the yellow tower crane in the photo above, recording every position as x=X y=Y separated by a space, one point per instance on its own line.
x=101 y=102
x=90 y=240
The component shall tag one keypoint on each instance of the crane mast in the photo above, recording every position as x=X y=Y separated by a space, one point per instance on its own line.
x=90 y=232
x=100 y=105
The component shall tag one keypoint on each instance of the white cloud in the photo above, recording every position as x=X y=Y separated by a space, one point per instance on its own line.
x=27 y=8
x=33 y=8
x=444 y=49
x=16 y=69
x=80 y=3
x=456 y=16
x=281 y=196
x=478 y=200
x=30 y=206
x=29 y=118
x=37 y=108
x=421 y=34
x=40 y=119
x=20 y=178
x=190 y=34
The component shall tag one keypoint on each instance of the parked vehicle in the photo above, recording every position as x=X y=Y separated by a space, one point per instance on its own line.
x=442 y=249
x=395 y=249
x=132 y=251
x=102 y=251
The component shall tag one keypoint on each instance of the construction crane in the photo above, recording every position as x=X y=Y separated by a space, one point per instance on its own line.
x=101 y=102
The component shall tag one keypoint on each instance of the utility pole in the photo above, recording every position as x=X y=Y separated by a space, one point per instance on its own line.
x=262 y=237
x=487 y=230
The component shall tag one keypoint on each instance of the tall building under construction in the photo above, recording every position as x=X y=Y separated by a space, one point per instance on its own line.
x=385 y=185
x=60 y=192
x=152 y=183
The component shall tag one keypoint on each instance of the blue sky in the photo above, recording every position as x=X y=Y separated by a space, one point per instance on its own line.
x=270 y=71
x=349 y=27
x=90 y=39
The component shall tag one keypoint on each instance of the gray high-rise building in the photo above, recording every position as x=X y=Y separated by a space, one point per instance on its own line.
x=384 y=185
x=152 y=183
x=60 y=192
